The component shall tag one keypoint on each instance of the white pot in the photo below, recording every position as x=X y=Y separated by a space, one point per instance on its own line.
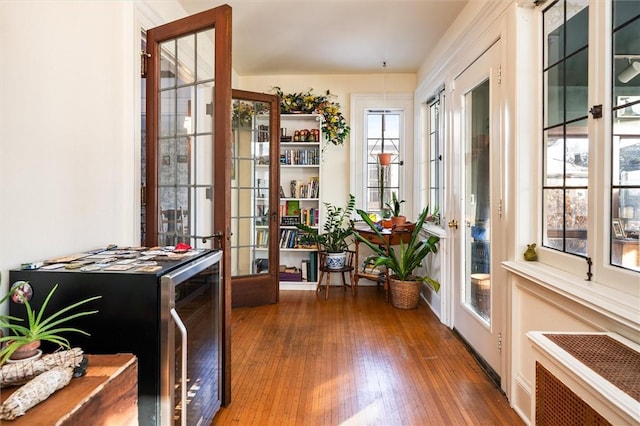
x=336 y=260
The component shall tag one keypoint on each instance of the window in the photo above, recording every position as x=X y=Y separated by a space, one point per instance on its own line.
x=436 y=149
x=383 y=138
x=591 y=162
x=625 y=137
x=566 y=139
x=366 y=136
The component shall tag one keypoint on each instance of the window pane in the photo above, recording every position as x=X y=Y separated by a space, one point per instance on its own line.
x=626 y=62
x=554 y=78
x=577 y=85
x=626 y=160
x=625 y=138
x=554 y=162
x=623 y=10
x=577 y=25
x=554 y=33
x=576 y=221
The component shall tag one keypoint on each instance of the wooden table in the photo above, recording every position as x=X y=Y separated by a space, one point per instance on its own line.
x=392 y=237
x=106 y=395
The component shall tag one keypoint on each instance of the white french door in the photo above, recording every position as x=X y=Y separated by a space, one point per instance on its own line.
x=479 y=293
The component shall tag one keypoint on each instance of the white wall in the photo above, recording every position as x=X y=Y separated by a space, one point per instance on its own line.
x=69 y=126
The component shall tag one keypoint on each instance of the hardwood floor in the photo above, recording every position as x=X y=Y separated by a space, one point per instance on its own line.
x=354 y=361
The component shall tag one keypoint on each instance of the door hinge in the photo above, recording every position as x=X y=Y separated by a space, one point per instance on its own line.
x=144 y=58
x=499 y=342
x=499 y=74
x=500 y=208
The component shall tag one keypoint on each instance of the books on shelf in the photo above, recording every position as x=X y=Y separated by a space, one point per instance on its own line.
x=262 y=238
x=300 y=157
x=306 y=216
x=293 y=239
x=301 y=189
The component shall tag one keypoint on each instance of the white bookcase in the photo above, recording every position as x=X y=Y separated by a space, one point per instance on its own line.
x=300 y=195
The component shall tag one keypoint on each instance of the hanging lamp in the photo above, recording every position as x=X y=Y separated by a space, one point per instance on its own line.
x=384 y=158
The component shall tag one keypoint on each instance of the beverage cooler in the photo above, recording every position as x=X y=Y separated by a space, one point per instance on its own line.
x=164 y=307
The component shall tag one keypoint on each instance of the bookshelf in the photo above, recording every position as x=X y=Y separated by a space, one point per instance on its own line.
x=300 y=189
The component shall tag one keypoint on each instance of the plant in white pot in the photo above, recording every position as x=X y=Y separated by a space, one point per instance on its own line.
x=336 y=232
x=402 y=261
x=38 y=327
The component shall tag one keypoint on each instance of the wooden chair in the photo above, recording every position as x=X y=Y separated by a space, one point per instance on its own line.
x=347 y=269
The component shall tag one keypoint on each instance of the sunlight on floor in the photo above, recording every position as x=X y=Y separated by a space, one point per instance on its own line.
x=375 y=410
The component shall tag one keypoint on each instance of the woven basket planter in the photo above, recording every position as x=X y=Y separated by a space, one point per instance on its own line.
x=405 y=294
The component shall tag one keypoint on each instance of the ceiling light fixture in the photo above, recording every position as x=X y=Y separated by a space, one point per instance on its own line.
x=630 y=72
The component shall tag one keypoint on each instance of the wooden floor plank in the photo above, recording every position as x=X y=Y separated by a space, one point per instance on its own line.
x=354 y=361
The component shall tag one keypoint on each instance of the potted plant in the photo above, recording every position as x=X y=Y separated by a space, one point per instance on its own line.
x=394 y=206
x=38 y=328
x=337 y=229
x=401 y=263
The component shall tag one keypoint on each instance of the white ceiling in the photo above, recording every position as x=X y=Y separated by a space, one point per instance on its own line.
x=281 y=37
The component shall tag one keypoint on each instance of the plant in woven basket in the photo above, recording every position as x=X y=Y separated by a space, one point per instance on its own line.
x=402 y=261
x=38 y=327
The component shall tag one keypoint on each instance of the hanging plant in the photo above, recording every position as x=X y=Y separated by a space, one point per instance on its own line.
x=242 y=112
x=334 y=125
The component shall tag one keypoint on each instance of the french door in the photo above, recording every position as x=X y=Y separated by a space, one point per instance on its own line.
x=254 y=198
x=188 y=150
x=479 y=295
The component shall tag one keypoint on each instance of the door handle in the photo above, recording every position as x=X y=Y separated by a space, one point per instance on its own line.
x=218 y=235
x=453 y=224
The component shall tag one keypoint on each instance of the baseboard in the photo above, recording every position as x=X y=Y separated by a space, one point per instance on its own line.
x=490 y=372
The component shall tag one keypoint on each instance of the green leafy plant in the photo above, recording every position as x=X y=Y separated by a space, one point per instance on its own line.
x=403 y=261
x=394 y=205
x=38 y=326
x=337 y=228
x=334 y=125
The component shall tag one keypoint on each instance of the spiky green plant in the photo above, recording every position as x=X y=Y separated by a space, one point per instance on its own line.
x=39 y=327
x=337 y=228
x=402 y=261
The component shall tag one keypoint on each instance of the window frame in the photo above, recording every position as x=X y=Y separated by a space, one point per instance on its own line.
x=360 y=103
x=434 y=136
x=619 y=280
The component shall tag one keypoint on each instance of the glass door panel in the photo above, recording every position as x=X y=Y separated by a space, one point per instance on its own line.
x=477 y=202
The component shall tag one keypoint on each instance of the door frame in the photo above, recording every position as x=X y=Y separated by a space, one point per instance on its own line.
x=220 y=19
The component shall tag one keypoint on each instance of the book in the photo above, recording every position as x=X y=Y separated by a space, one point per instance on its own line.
x=304 y=269
x=292 y=208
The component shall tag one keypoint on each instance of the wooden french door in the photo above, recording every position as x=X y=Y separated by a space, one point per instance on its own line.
x=188 y=149
x=479 y=308
x=254 y=198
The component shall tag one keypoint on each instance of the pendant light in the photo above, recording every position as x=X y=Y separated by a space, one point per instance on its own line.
x=384 y=158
